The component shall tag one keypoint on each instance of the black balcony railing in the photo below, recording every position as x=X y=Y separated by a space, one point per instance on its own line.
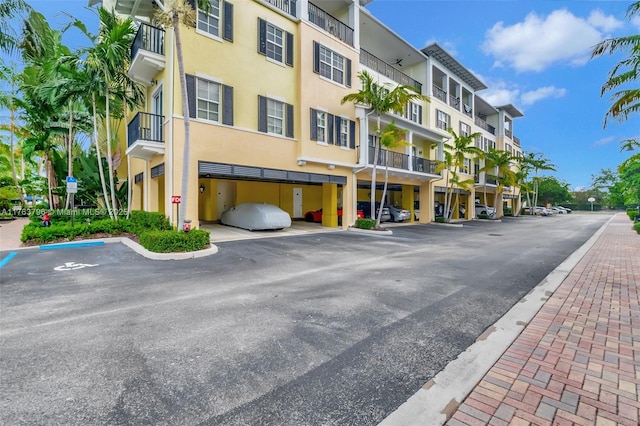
x=491 y=181
x=394 y=159
x=148 y=38
x=438 y=93
x=287 y=6
x=516 y=140
x=332 y=25
x=376 y=64
x=484 y=125
x=454 y=102
x=145 y=127
x=425 y=166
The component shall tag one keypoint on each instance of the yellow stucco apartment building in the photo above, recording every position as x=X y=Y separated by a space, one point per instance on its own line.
x=265 y=79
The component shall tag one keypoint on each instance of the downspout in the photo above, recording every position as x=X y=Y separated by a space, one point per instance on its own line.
x=169 y=161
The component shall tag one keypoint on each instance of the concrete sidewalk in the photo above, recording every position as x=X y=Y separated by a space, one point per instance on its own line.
x=578 y=361
x=10 y=232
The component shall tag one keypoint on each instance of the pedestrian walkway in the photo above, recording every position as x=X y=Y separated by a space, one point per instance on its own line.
x=577 y=362
x=10 y=232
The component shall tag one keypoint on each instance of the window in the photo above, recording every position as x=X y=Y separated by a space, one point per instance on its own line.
x=275 y=43
x=343 y=136
x=210 y=22
x=331 y=65
x=321 y=126
x=275 y=117
x=413 y=112
x=465 y=129
x=208 y=100
x=466 y=168
x=442 y=120
x=507 y=147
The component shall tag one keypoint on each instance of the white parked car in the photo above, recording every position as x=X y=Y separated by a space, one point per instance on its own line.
x=482 y=209
x=256 y=216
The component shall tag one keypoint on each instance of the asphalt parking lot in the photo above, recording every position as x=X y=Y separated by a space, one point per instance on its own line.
x=330 y=328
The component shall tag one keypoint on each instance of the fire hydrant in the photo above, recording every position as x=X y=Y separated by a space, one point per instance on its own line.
x=186 y=226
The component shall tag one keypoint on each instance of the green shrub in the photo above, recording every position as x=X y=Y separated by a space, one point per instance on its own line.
x=170 y=241
x=365 y=223
x=484 y=216
x=141 y=221
x=441 y=219
x=632 y=213
x=636 y=226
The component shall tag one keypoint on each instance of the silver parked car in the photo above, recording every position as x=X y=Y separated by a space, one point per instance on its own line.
x=256 y=216
x=399 y=214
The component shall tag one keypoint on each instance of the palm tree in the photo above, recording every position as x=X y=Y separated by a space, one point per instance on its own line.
x=8 y=74
x=392 y=137
x=175 y=13
x=625 y=101
x=629 y=144
x=381 y=99
x=536 y=163
x=501 y=161
x=455 y=153
x=10 y=10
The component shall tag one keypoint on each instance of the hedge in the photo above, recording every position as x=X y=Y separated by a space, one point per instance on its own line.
x=159 y=241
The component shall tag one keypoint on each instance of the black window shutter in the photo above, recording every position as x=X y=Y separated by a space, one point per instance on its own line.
x=289 y=118
x=338 y=127
x=262 y=114
x=419 y=114
x=330 y=128
x=191 y=95
x=227 y=34
x=316 y=57
x=289 y=47
x=227 y=105
x=352 y=134
x=314 y=125
x=348 y=74
x=262 y=36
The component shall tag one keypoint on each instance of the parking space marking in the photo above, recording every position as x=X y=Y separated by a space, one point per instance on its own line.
x=71 y=245
x=70 y=266
x=7 y=259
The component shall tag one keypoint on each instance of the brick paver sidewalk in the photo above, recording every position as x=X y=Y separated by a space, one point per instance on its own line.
x=578 y=361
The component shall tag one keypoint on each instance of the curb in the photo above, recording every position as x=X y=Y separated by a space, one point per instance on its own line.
x=440 y=397
x=132 y=245
x=371 y=232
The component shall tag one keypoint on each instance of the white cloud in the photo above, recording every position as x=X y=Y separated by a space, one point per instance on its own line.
x=604 y=141
x=533 y=96
x=539 y=42
x=598 y=19
x=635 y=21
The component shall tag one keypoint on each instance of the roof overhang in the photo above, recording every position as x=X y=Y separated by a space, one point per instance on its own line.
x=436 y=52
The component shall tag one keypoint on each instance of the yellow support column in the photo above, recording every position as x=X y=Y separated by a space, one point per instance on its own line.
x=426 y=202
x=330 y=204
x=407 y=199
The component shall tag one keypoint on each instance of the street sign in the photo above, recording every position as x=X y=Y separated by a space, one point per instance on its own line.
x=175 y=199
x=72 y=185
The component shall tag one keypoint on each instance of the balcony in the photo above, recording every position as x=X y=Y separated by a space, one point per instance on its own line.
x=454 y=102
x=332 y=25
x=484 y=125
x=516 y=141
x=439 y=93
x=287 y=6
x=401 y=161
x=145 y=136
x=147 y=54
x=372 y=62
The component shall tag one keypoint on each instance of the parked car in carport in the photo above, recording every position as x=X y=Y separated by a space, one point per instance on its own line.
x=365 y=206
x=482 y=209
x=256 y=217
x=398 y=214
x=316 y=215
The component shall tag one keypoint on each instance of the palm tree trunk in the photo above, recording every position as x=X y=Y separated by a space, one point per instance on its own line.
x=109 y=159
x=95 y=136
x=14 y=174
x=184 y=187
x=384 y=188
x=374 y=171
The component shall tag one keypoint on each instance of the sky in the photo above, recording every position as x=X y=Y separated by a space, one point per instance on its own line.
x=534 y=54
